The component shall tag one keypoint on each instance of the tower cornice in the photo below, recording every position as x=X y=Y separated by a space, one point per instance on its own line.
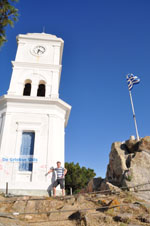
x=18 y=64
x=5 y=100
x=39 y=36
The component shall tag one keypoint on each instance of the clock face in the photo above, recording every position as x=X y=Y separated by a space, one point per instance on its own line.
x=39 y=50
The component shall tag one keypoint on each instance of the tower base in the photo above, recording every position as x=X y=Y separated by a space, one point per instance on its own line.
x=30 y=192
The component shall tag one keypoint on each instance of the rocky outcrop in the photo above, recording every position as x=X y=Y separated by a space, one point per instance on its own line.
x=117 y=164
x=129 y=165
x=128 y=169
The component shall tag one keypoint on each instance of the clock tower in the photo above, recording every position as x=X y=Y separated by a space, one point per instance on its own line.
x=33 y=117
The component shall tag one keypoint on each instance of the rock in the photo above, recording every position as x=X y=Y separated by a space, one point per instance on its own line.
x=114 y=202
x=125 y=217
x=109 y=188
x=12 y=222
x=30 y=206
x=138 y=175
x=129 y=166
x=144 y=144
x=135 y=207
x=117 y=164
x=80 y=198
x=19 y=206
x=110 y=205
x=70 y=200
x=28 y=217
x=132 y=146
x=102 y=202
x=94 y=184
x=78 y=215
x=144 y=219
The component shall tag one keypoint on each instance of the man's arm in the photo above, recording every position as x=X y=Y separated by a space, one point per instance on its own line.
x=51 y=170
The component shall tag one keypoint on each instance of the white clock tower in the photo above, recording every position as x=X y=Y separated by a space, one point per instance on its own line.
x=32 y=117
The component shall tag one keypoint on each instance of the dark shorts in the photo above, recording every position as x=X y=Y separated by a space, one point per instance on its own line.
x=61 y=182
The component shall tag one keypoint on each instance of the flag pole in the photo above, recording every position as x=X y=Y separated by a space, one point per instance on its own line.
x=137 y=135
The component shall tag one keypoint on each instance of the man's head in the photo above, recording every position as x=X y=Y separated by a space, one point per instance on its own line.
x=58 y=164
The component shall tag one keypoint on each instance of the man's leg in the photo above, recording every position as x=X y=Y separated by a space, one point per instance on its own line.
x=54 y=187
x=62 y=186
x=63 y=192
x=54 y=191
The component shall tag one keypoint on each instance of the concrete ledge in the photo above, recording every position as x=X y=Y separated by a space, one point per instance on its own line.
x=31 y=192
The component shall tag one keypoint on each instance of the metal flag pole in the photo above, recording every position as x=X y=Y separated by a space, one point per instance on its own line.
x=137 y=135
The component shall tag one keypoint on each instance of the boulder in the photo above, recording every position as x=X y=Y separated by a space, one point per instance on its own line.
x=129 y=165
x=128 y=168
x=144 y=144
x=123 y=217
x=117 y=164
x=108 y=187
x=132 y=146
x=144 y=219
x=94 y=184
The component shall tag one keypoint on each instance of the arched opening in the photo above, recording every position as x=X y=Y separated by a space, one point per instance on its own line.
x=27 y=89
x=41 y=90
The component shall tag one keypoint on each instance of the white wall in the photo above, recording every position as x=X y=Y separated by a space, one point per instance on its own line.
x=48 y=123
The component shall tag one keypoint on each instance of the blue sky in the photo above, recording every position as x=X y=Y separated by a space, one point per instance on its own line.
x=104 y=41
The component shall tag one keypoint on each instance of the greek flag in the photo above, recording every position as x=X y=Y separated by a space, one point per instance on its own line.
x=131 y=80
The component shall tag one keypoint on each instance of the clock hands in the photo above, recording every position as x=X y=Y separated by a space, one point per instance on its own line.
x=39 y=50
